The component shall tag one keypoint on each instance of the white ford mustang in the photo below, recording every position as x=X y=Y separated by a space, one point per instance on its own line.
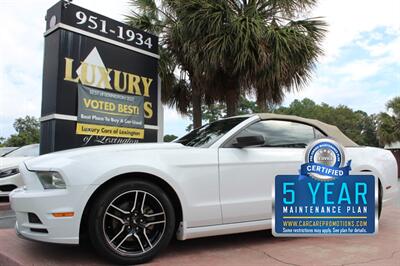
x=130 y=200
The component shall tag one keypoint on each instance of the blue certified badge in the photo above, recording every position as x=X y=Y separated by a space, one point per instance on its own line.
x=324 y=199
x=325 y=161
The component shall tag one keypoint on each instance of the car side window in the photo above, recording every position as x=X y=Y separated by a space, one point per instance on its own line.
x=318 y=134
x=280 y=133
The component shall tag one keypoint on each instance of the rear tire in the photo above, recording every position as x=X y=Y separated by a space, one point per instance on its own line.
x=131 y=222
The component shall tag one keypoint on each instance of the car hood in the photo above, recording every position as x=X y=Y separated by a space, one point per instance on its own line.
x=9 y=162
x=67 y=156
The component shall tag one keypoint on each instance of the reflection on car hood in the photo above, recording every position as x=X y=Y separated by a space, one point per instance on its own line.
x=10 y=162
x=110 y=150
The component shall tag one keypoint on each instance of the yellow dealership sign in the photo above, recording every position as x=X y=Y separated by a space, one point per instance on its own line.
x=108 y=109
x=109 y=131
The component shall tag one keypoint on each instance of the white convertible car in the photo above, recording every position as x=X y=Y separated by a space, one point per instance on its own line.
x=130 y=200
x=9 y=175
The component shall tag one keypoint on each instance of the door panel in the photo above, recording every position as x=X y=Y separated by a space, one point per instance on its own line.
x=246 y=180
x=195 y=171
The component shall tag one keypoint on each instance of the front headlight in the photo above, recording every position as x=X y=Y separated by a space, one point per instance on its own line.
x=9 y=172
x=51 y=180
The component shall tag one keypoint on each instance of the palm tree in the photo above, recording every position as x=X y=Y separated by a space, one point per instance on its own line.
x=389 y=125
x=227 y=48
x=254 y=46
x=185 y=92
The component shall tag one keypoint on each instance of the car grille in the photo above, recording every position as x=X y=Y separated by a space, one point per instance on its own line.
x=7 y=188
x=39 y=230
x=33 y=218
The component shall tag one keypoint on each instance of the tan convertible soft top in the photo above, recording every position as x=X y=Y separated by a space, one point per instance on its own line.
x=329 y=130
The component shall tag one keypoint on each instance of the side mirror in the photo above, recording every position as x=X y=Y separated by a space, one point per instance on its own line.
x=242 y=142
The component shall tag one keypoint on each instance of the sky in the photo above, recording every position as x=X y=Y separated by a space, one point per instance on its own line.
x=360 y=68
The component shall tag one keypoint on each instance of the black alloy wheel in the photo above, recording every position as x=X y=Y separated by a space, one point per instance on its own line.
x=131 y=222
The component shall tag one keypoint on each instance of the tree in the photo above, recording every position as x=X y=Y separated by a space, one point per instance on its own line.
x=357 y=125
x=27 y=132
x=389 y=124
x=160 y=18
x=368 y=125
x=217 y=111
x=2 y=139
x=226 y=48
x=259 y=45
x=169 y=138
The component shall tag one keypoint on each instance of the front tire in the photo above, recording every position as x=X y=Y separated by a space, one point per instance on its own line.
x=131 y=222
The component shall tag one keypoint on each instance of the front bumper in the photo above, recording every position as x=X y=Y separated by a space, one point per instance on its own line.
x=34 y=201
x=43 y=204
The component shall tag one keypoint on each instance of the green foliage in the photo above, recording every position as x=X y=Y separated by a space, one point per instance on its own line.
x=216 y=111
x=169 y=138
x=247 y=106
x=224 y=49
x=357 y=125
x=27 y=132
x=155 y=17
x=389 y=124
x=250 y=46
x=160 y=18
x=2 y=139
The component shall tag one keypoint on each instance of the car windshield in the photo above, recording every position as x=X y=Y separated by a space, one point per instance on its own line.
x=5 y=150
x=25 y=151
x=208 y=134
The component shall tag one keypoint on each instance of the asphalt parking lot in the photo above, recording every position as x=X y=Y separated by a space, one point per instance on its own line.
x=7 y=216
x=256 y=248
